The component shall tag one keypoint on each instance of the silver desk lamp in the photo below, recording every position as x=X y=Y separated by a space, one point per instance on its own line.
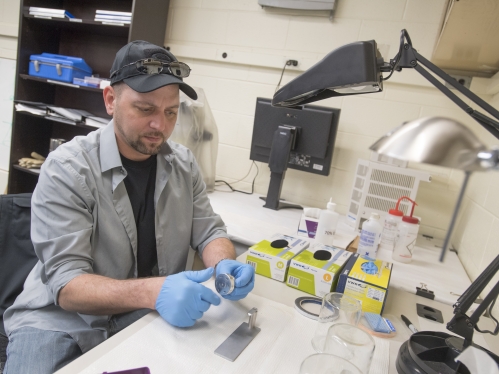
x=445 y=142
x=442 y=142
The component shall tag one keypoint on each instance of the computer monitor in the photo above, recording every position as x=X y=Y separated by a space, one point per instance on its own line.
x=300 y=138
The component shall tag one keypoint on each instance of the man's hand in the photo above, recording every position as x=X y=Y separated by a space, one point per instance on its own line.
x=182 y=300
x=243 y=274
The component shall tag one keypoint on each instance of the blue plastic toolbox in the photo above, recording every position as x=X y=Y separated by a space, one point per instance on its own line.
x=58 y=67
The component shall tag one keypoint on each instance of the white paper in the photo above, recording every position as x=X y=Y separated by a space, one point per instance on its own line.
x=381 y=358
x=29 y=109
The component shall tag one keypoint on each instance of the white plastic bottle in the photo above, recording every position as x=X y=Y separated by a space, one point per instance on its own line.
x=328 y=221
x=390 y=228
x=369 y=236
x=408 y=233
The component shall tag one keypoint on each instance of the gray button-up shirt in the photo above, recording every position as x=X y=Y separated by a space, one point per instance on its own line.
x=82 y=223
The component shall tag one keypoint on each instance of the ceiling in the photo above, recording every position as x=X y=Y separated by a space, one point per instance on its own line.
x=469 y=41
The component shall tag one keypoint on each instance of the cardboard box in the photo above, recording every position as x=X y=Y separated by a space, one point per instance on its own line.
x=307 y=226
x=271 y=257
x=353 y=245
x=316 y=269
x=366 y=280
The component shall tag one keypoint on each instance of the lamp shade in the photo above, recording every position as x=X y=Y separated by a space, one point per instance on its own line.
x=436 y=141
x=349 y=70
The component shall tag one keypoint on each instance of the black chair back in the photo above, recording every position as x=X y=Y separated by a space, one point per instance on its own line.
x=17 y=255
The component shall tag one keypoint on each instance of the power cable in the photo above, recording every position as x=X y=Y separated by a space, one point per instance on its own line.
x=232 y=189
x=288 y=63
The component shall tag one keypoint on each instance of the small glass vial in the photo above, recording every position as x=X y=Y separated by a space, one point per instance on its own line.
x=224 y=284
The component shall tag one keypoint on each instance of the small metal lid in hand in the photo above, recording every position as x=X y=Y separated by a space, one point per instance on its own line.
x=224 y=284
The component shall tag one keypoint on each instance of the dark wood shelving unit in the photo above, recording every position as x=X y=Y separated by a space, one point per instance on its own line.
x=96 y=43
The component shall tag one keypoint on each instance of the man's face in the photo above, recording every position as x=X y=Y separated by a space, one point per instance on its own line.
x=143 y=121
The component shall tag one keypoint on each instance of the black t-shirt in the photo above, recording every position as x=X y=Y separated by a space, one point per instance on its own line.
x=140 y=184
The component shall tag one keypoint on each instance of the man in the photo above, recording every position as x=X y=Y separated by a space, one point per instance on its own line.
x=113 y=216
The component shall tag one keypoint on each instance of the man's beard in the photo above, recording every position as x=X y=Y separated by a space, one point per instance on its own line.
x=137 y=143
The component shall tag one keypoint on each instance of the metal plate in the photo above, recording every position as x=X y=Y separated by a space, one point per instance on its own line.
x=232 y=347
x=430 y=313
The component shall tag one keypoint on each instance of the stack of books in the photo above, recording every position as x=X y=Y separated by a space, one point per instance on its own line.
x=113 y=17
x=49 y=13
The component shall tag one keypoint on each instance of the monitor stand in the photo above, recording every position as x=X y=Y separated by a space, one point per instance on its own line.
x=282 y=143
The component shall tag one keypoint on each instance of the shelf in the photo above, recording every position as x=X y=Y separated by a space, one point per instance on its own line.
x=29 y=171
x=54 y=119
x=58 y=83
x=87 y=24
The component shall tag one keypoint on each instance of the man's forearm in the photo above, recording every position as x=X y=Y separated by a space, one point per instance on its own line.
x=98 y=295
x=216 y=250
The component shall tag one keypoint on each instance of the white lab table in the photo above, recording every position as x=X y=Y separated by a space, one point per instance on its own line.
x=248 y=222
x=129 y=349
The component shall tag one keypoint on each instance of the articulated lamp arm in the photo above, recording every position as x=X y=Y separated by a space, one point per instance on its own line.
x=463 y=325
x=408 y=57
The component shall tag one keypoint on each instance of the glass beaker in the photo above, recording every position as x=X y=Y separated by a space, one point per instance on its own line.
x=336 y=308
x=321 y=363
x=352 y=344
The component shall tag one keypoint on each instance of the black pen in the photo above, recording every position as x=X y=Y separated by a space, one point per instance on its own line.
x=409 y=324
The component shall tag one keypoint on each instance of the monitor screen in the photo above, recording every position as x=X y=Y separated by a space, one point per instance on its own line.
x=315 y=136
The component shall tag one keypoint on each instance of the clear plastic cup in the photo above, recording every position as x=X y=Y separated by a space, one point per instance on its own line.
x=321 y=363
x=352 y=344
x=336 y=308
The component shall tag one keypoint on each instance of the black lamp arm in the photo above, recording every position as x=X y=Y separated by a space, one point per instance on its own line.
x=408 y=57
x=463 y=325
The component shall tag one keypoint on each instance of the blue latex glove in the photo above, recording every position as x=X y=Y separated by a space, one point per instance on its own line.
x=182 y=300
x=244 y=275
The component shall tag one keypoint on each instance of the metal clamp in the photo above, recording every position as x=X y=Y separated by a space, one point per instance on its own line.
x=58 y=68
x=36 y=63
x=425 y=292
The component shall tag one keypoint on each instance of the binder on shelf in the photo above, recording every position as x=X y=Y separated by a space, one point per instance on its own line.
x=30 y=109
x=114 y=18
x=95 y=121
x=113 y=13
x=65 y=115
x=112 y=22
x=75 y=115
x=50 y=12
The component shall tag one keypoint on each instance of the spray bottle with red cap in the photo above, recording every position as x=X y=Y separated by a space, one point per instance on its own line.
x=390 y=228
x=408 y=233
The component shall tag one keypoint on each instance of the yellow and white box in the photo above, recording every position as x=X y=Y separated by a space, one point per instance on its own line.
x=271 y=257
x=316 y=270
x=366 y=280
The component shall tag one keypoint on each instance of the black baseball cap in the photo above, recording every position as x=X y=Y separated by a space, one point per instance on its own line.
x=123 y=69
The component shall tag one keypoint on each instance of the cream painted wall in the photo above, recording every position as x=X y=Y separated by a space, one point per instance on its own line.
x=207 y=28
x=8 y=68
x=9 y=23
x=243 y=26
x=477 y=231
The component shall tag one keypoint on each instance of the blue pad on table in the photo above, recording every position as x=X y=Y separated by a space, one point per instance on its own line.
x=377 y=323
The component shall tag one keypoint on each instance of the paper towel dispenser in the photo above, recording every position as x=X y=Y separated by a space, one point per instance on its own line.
x=299 y=4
